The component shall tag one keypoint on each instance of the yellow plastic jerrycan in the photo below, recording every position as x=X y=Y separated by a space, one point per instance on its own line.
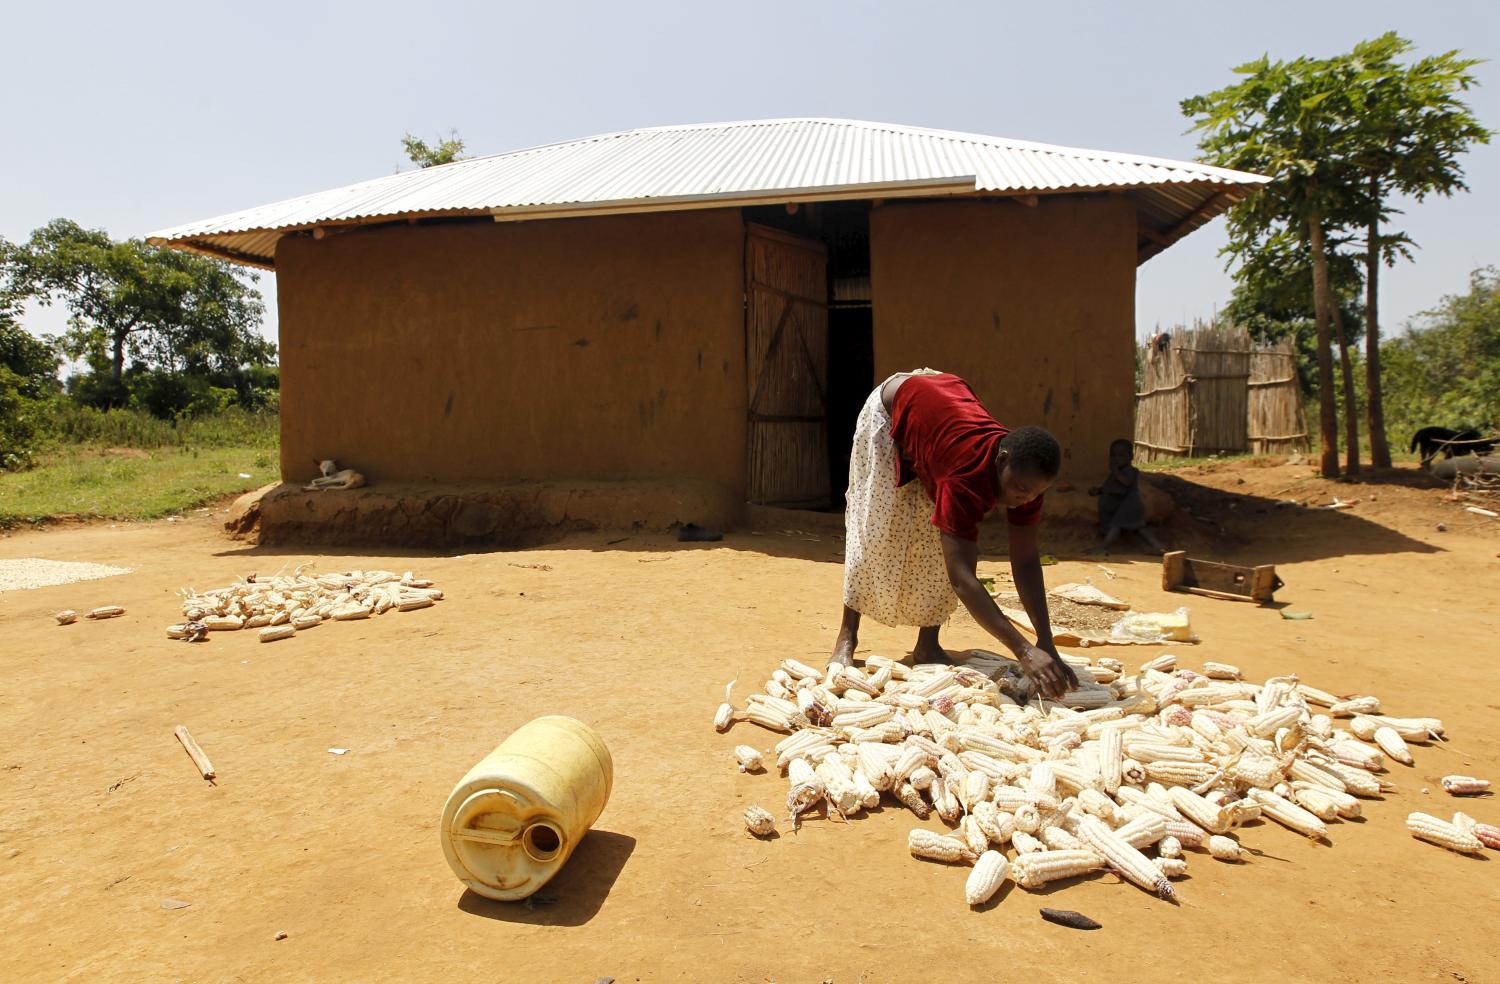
x=514 y=820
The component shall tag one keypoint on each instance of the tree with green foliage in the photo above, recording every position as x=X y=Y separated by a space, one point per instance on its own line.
x=170 y=312
x=1406 y=137
x=441 y=151
x=1284 y=119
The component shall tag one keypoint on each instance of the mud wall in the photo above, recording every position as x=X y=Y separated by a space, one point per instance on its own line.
x=1034 y=306
x=599 y=349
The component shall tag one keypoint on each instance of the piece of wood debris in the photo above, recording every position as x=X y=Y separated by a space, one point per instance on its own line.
x=195 y=753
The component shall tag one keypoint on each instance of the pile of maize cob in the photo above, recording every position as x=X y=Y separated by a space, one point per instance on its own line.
x=1157 y=761
x=282 y=605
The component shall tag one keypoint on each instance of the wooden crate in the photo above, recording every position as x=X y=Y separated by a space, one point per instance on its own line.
x=1179 y=572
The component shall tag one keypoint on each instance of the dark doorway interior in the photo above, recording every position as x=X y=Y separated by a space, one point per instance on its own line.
x=844 y=227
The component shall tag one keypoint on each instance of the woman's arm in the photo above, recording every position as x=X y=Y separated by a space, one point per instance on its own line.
x=1052 y=676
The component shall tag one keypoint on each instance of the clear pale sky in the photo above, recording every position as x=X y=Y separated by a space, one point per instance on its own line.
x=134 y=117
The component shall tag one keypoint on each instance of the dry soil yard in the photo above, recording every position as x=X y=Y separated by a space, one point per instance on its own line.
x=105 y=817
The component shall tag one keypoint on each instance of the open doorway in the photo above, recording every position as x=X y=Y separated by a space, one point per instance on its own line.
x=836 y=391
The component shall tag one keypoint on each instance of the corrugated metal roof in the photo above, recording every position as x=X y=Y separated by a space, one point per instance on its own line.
x=719 y=164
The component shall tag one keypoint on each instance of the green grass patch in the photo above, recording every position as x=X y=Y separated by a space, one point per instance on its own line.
x=70 y=425
x=1169 y=464
x=127 y=484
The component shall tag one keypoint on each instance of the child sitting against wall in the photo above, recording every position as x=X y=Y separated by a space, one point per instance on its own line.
x=1121 y=507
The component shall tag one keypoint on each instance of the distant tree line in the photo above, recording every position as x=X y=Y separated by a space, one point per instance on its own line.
x=160 y=331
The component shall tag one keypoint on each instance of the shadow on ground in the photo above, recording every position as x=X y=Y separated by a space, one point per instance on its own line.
x=574 y=896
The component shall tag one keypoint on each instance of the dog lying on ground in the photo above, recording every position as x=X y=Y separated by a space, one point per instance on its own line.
x=1433 y=440
x=334 y=478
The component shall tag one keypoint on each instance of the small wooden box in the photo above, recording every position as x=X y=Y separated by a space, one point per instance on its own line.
x=1179 y=572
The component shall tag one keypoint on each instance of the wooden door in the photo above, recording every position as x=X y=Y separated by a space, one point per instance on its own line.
x=786 y=349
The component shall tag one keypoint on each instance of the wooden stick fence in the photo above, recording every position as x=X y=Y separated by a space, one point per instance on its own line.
x=1194 y=396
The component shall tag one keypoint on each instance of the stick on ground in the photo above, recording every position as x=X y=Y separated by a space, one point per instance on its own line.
x=195 y=753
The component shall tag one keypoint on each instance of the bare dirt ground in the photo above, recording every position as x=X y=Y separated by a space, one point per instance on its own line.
x=104 y=817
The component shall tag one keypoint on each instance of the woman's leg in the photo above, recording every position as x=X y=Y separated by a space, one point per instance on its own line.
x=927 y=649
x=848 y=640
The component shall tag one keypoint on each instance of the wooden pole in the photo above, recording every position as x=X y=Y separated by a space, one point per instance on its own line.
x=195 y=753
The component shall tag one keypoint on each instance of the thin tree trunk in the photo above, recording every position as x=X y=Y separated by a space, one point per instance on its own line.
x=1328 y=423
x=1380 y=450
x=1351 y=398
x=119 y=357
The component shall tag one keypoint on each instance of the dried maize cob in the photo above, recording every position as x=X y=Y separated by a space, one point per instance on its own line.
x=990 y=821
x=306 y=622
x=1058 y=839
x=1357 y=781
x=1288 y=814
x=223 y=623
x=748 y=758
x=759 y=822
x=1187 y=834
x=945 y=800
x=1412 y=728
x=838 y=788
x=1210 y=816
x=1266 y=724
x=275 y=632
x=912 y=800
x=1028 y=819
x=1131 y=796
x=973 y=835
x=922 y=778
x=1429 y=828
x=1254 y=770
x=1226 y=848
x=1181 y=773
x=1392 y=744
x=1168 y=847
x=799 y=671
x=107 y=611
x=1170 y=867
x=725 y=714
x=1128 y=861
x=1025 y=843
x=1312 y=772
x=1165 y=663
x=1101 y=806
x=257 y=621
x=869 y=796
x=1355 y=706
x=66 y=617
x=767 y=717
x=986 y=878
x=1221 y=671
x=936 y=847
x=806 y=790
x=1035 y=870
x=1488 y=834
x=1316 y=800
x=910 y=760
x=1464 y=785
x=974 y=790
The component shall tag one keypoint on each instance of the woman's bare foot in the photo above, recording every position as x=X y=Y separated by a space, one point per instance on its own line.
x=843 y=649
x=928 y=649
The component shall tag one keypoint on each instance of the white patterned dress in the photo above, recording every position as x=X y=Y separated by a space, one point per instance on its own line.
x=893 y=555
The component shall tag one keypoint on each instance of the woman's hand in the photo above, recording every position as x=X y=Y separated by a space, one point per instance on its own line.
x=1052 y=676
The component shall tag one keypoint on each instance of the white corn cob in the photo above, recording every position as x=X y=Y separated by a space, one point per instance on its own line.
x=1392 y=744
x=869 y=796
x=1181 y=773
x=912 y=800
x=1187 y=834
x=799 y=671
x=838 y=787
x=281 y=618
x=1226 y=848
x=973 y=835
x=1316 y=800
x=989 y=819
x=768 y=717
x=1171 y=867
x=1429 y=828
x=805 y=792
x=107 y=611
x=1042 y=783
x=804 y=738
x=1101 y=806
x=868 y=716
x=1111 y=759
x=986 y=878
x=748 y=758
x=1356 y=781
x=1058 y=839
x=725 y=714
x=1001 y=773
x=1132 y=772
x=1025 y=843
x=1255 y=770
x=1488 y=834
x=257 y=621
x=812 y=751
x=759 y=822
x=1165 y=663
x=974 y=790
x=1314 y=773
x=1412 y=728
x=936 y=847
x=304 y=622
x=274 y=632
x=1129 y=862
x=944 y=800
x=66 y=617
x=1169 y=847
x=1035 y=870
x=350 y=613
x=1131 y=796
x=877 y=766
x=1144 y=830
x=1268 y=723
x=1352 y=751
x=1028 y=818
x=776 y=689
x=922 y=778
x=1354 y=706
x=1210 y=816
x=1158 y=751
x=911 y=759
x=1221 y=671
x=1288 y=814
x=1010 y=798
x=1464 y=785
